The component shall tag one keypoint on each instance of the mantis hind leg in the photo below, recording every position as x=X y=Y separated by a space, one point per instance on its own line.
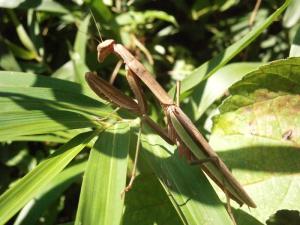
x=217 y=162
x=134 y=169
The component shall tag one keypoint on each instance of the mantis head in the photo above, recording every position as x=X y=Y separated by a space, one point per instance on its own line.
x=104 y=49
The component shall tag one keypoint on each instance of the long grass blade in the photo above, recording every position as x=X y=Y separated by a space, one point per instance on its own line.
x=31 y=185
x=105 y=178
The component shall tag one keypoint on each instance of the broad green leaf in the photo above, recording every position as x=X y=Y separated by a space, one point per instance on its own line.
x=105 y=178
x=219 y=83
x=216 y=173
x=211 y=66
x=19 y=79
x=292 y=15
x=257 y=135
x=147 y=202
x=35 y=181
x=187 y=187
x=295 y=47
x=33 y=210
x=16 y=124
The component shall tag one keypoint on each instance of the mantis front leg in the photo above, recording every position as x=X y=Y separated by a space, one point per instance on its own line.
x=108 y=92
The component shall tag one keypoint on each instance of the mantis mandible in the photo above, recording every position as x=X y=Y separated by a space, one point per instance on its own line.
x=181 y=131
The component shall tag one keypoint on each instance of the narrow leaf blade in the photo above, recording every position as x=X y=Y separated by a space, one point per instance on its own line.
x=105 y=178
x=30 y=185
x=188 y=189
x=16 y=124
x=211 y=66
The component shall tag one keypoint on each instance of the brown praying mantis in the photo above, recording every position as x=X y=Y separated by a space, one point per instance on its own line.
x=180 y=129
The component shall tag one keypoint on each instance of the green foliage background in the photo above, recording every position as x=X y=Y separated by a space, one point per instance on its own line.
x=44 y=40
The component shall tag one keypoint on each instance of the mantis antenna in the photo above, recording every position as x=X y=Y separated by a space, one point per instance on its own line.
x=97 y=25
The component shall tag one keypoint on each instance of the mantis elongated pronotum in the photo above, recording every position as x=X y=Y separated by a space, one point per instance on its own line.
x=181 y=131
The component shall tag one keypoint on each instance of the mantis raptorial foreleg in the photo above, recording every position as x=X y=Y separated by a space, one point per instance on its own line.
x=108 y=92
x=181 y=130
x=115 y=72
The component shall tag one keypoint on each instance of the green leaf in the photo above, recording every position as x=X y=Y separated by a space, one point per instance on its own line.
x=147 y=202
x=32 y=211
x=105 y=178
x=35 y=32
x=100 y=9
x=16 y=124
x=19 y=79
x=22 y=34
x=202 y=8
x=292 y=16
x=7 y=59
x=81 y=38
x=35 y=98
x=219 y=82
x=65 y=72
x=211 y=66
x=187 y=187
x=142 y=18
x=217 y=171
x=43 y=5
x=78 y=54
x=295 y=47
x=257 y=135
x=35 y=181
x=21 y=52
x=41 y=138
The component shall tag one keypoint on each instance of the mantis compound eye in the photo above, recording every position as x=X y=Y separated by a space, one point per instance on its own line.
x=104 y=49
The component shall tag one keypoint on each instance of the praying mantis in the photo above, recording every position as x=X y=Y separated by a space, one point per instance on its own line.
x=180 y=129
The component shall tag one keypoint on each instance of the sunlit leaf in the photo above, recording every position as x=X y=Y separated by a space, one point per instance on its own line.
x=295 y=47
x=219 y=83
x=19 y=79
x=16 y=124
x=210 y=67
x=188 y=189
x=292 y=16
x=33 y=210
x=257 y=134
x=105 y=178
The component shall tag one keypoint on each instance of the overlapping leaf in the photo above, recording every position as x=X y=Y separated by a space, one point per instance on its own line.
x=259 y=125
x=210 y=67
x=30 y=185
x=101 y=201
x=189 y=190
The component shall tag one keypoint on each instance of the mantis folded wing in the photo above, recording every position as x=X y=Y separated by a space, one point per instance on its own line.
x=181 y=130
